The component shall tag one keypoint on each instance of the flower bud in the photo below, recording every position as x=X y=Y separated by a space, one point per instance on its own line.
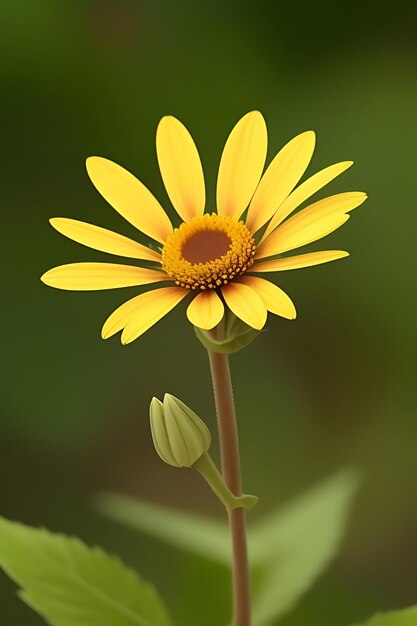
x=180 y=437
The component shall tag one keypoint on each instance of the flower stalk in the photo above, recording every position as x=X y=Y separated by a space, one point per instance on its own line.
x=212 y=476
x=230 y=460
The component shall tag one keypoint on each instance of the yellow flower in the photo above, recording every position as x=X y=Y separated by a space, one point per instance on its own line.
x=210 y=257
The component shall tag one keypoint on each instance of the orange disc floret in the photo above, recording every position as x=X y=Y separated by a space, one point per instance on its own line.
x=208 y=252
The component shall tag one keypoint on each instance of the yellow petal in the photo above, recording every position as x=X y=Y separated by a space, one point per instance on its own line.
x=96 y=276
x=274 y=298
x=129 y=197
x=138 y=315
x=148 y=303
x=280 y=178
x=333 y=205
x=181 y=168
x=102 y=239
x=206 y=310
x=278 y=242
x=304 y=191
x=246 y=304
x=329 y=207
x=301 y=260
x=241 y=165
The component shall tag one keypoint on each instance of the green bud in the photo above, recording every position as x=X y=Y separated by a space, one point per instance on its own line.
x=180 y=437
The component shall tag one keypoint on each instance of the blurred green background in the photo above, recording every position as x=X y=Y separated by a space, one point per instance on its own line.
x=334 y=388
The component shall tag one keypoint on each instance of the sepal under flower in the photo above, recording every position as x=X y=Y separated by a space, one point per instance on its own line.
x=231 y=335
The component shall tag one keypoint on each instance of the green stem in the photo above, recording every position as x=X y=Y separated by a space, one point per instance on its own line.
x=212 y=476
x=229 y=449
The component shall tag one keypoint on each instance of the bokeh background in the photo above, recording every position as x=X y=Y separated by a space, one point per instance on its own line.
x=334 y=388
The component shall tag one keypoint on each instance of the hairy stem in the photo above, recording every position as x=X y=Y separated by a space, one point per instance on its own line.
x=229 y=449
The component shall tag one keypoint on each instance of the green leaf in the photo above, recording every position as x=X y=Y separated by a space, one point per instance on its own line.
x=293 y=546
x=406 y=617
x=288 y=550
x=208 y=538
x=70 y=584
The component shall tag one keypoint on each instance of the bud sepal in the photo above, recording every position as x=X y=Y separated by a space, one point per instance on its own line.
x=180 y=437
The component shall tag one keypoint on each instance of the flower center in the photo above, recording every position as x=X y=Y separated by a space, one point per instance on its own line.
x=208 y=252
x=205 y=245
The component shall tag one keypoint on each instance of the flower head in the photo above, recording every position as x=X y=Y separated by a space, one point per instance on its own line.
x=212 y=258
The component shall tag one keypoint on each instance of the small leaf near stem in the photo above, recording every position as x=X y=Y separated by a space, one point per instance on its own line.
x=67 y=582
